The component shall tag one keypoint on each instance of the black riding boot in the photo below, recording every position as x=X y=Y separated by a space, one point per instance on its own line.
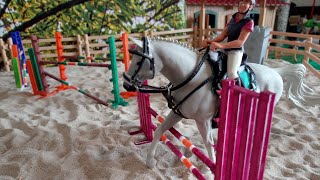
x=238 y=81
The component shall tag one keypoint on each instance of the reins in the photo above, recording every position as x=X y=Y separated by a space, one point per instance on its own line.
x=166 y=91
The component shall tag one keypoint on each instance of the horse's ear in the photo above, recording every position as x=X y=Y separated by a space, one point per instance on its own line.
x=136 y=41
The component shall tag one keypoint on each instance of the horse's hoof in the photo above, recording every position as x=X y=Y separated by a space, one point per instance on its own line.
x=151 y=163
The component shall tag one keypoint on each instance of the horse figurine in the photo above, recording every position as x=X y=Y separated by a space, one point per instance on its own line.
x=189 y=95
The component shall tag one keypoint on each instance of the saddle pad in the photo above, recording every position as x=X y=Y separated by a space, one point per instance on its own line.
x=245 y=79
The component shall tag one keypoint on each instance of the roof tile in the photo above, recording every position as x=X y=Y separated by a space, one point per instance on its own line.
x=232 y=2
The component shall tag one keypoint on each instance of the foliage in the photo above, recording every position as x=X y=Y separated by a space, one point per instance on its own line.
x=92 y=17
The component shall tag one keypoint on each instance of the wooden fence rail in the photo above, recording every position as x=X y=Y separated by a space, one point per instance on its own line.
x=95 y=45
x=302 y=46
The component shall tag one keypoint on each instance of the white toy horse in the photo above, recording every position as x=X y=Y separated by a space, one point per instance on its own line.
x=177 y=61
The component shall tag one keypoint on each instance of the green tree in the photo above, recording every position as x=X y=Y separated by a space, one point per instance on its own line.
x=27 y=15
x=89 y=16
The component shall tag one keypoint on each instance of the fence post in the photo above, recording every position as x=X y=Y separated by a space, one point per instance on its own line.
x=9 y=43
x=4 y=55
x=79 y=45
x=145 y=33
x=195 y=35
x=87 y=45
x=307 y=50
x=207 y=32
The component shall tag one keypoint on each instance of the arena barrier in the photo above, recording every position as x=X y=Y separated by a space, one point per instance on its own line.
x=243 y=133
x=38 y=77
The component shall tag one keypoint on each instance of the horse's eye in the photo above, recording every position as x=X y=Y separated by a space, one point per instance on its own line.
x=139 y=63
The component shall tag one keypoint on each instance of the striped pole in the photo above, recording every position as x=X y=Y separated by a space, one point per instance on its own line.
x=145 y=112
x=147 y=127
x=180 y=155
x=77 y=89
x=75 y=64
x=187 y=143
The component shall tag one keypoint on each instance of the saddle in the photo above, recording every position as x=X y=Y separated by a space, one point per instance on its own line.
x=247 y=77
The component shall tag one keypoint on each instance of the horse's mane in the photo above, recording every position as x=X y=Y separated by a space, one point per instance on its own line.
x=182 y=44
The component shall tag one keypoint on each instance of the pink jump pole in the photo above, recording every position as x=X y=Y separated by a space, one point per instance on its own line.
x=187 y=143
x=243 y=135
x=180 y=155
x=147 y=127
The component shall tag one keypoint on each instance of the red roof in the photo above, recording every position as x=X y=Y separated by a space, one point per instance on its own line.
x=233 y=2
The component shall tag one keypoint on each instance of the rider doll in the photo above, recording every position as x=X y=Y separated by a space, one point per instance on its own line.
x=237 y=31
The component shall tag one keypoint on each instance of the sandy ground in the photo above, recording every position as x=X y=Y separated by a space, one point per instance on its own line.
x=68 y=136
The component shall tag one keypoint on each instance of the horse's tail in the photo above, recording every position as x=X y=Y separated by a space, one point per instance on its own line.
x=296 y=89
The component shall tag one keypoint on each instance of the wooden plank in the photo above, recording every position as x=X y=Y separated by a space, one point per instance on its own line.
x=119 y=43
x=313 y=70
x=136 y=35
x=99 y=52
x=98 y=45
x=295 y=43
x=26 y=41
x=74 y=46
x=185 y=37
x=313 y=57
x=313 y=46
x=70 y=54
x=103 y=37
x=172 y=32
x=304 y=36
x=48 y=48
x=54 y=47
x=47 y=40
x=66 y=39
x=292 y=51
x=56 y=55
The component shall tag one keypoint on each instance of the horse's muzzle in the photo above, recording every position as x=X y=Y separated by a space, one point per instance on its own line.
x=129 y=87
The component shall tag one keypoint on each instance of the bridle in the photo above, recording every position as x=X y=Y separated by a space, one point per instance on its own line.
x=165 y=90
x=145 y=56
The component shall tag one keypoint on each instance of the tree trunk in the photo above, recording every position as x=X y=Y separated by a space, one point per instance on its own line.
x=282 y=17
